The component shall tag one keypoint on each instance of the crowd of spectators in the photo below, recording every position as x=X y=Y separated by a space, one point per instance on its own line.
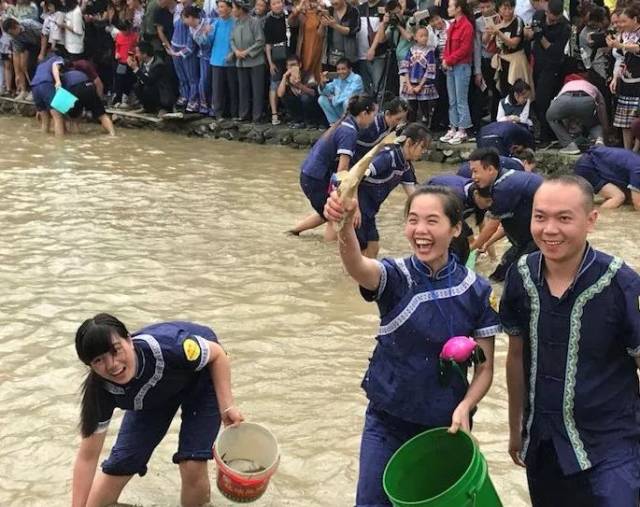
x=567 y=71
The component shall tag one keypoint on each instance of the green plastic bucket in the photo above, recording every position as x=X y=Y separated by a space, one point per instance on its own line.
x=63 y=100
x=438 y=469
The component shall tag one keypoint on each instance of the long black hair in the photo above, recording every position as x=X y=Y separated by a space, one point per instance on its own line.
x=94 y=337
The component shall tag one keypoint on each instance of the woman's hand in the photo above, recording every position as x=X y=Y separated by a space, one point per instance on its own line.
x=231 y=416
x=613 y=85
x=273 y=69
x=460 y=418
x=515 y=447
x=371 y=54
x=335 y=210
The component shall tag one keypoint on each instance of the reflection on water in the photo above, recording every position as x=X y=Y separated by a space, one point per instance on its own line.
x=151 y=226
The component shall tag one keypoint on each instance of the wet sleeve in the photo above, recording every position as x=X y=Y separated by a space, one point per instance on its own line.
x=394 y=283
x=629 y=282
x=106 y=406
x=509 y=311
x=488 y=323
x=346 y=141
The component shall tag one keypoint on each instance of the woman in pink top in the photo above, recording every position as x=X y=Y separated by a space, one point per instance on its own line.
x=456 y=62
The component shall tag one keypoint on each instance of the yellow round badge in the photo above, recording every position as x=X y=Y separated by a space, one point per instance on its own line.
x=191 y=349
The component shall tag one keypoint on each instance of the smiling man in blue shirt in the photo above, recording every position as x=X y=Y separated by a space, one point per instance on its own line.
x=573 y=320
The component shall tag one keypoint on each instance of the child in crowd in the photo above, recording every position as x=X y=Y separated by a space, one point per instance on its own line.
x=200 y=27
x=134 y=13
x=6 y=70
x=125 y=44
x=185 y=60
x=419 y=71
x=516 y=105
x=275 y=38
x=52 y=33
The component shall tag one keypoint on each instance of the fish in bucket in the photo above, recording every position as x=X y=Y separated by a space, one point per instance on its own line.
x=247 y=456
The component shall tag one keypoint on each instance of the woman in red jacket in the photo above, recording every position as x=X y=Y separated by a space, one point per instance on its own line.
x=458 y=54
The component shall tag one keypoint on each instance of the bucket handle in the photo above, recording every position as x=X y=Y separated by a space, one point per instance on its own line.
x=473 y=494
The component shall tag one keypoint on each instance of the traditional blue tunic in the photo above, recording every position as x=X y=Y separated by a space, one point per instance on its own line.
x=419 y=311
x=171 y=360
x=582 y=405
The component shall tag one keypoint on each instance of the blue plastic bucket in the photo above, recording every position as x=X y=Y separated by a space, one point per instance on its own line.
x=63 y=100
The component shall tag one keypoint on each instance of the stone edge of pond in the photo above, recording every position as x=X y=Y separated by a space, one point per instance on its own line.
x=549 y=161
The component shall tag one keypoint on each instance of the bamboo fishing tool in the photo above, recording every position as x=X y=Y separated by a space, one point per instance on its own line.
x=347 y=182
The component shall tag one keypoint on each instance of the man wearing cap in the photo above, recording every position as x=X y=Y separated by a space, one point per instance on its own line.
x=573 y=320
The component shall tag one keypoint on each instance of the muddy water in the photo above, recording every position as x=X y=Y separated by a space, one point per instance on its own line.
x=150 y=227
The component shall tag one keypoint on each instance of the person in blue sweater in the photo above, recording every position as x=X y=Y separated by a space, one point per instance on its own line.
x=199 y=28
x=335 y=94
x=149 y=374
x=614 y=174
x=224 y=75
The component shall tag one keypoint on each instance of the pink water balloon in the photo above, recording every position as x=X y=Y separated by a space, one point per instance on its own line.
x=458 y=349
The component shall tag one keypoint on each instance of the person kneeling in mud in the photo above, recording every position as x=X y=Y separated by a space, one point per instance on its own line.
x=150 y=374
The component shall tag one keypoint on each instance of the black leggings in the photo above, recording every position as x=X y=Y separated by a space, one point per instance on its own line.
x=419 y=109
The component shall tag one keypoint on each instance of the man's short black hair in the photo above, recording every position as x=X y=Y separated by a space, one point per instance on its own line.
x=486 y=156
x=145 y=48
x=556 y=7
x=344 y=61
x=10 y=24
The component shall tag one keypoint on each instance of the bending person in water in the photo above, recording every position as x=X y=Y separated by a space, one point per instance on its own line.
x=423 y=300
x=395 y=113
x=614 y=174
x=333 y=152
x=150 y=374
x=391 y=167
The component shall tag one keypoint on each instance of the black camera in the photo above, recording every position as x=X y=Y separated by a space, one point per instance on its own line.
x=536 y=26
x=394 y=19
x=612 y=32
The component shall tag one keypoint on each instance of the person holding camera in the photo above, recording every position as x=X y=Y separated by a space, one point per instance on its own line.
x=594 y=51
x=549 y=33
x=154 y=80
x=341 y=23
x=456 y=62
x=298 y=96
x=335 y=94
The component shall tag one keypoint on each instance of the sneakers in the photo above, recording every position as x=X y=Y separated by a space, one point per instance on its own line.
x=22 y=95
x=275 y=120
x=570 y=149
x=448 y=136
x=29 y=97
x=459 y=138
x=599 y=141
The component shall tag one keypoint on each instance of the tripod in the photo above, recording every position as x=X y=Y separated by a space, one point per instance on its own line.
x=383 y=93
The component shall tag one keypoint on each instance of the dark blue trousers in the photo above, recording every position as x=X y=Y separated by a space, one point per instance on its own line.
x=382 y=436
x=614 y=482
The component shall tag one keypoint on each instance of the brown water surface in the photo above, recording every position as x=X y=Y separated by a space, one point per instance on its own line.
x=156 y=227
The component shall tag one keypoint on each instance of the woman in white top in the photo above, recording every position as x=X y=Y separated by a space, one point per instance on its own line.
x=515 y=106
x=73 y=29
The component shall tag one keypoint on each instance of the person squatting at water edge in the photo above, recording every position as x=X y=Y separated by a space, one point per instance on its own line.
x=332 y=153
x=512 y=195
x=389 y=168
x=572 y=317
x=149 y=374
x=614 y=174
x=424 y=300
